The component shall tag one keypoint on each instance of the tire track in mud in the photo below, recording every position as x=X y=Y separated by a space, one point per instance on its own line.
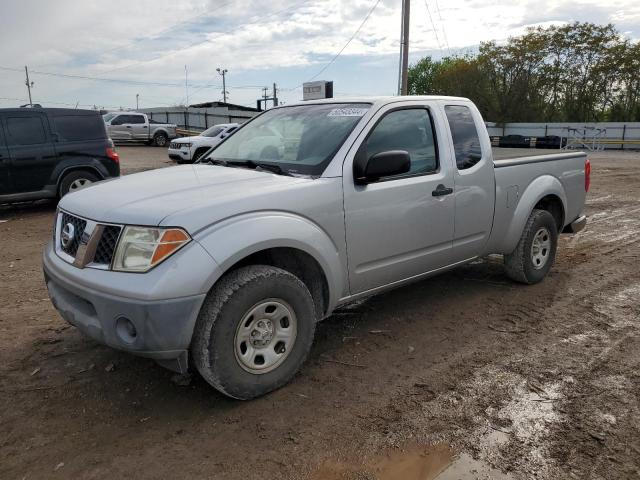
x=537 y=357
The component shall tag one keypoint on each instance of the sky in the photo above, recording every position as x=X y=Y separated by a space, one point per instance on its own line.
x=103 y=53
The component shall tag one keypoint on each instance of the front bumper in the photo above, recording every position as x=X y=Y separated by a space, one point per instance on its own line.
x=158 y=329
x=577 y=225
x=180 y=154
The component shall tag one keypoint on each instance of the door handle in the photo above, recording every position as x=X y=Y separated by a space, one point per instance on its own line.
x=442 y=190
x=145 y=127
x=128 y=126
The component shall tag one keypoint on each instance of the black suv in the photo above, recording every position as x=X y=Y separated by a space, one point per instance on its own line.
x=48 y=152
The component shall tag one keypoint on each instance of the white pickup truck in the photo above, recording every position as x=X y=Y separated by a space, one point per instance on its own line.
x=232 y=261
x=137 y=127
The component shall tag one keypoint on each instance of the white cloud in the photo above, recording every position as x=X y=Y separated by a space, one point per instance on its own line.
x=286 y=41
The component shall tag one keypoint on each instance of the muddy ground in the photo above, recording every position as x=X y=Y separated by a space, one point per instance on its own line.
x=466 y=374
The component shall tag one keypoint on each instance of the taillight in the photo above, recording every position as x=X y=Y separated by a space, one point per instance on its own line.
x=587 y=175
x=113 y=155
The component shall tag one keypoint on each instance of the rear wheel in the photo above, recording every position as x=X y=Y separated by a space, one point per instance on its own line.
x=535 y=253
x=160 y=139
x=254 y=331
x=75 y=181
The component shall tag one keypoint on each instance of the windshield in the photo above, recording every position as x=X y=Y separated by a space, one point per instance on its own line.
x=108 y=116
x=212 y=132
x=299 y=139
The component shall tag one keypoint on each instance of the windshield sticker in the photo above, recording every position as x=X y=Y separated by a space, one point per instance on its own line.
x=347 y=112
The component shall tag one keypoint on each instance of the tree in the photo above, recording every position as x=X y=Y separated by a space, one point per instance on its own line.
x=575 y=72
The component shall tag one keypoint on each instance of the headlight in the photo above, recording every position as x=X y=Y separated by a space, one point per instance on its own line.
x=142 y=248
x=180 y=145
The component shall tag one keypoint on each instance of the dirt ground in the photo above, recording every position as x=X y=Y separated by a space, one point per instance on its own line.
x=465 y=375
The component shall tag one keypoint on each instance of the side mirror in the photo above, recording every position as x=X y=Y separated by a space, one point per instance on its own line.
x=383 y=164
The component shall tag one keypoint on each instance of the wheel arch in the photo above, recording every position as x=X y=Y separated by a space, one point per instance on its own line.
x=281 y=240
x=545 y=193
x=77 y=168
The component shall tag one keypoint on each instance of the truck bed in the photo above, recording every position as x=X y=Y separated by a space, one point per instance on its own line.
x=511 y=153
x=522 y=176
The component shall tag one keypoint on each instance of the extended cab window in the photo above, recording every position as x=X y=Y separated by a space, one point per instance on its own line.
x=466 y=142
x=25 y=130
x=410 y=130
x=135 y=119
x=72 y=128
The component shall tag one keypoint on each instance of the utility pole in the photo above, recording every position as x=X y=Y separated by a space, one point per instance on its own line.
x=275 y=95
x=223 y=72
x=265 y=97
x=29 y=85
x=137 y=104
x=186 y=85
x=404 y=49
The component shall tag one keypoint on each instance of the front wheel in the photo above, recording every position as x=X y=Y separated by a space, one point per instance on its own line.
x=254 y=331
x=535 y=253
x=160 y=139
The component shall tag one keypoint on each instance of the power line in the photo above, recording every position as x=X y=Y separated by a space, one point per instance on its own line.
x=433 y=25
x=207 y=40
x=444 y=29
x=119 y=80
x=346 y=44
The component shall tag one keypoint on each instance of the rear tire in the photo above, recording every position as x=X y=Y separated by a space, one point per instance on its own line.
x=254 y=331
x=160 y=139
x=535 y=253
x=75 y=181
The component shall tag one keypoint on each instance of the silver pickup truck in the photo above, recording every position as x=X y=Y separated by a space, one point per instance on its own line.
x=231 y=262
x=138 y=127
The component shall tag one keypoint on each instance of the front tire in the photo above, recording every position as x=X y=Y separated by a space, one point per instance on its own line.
x=254 y=331
x=535 y=253
x=160 y=139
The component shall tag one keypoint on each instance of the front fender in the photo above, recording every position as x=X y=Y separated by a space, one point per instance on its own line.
x=236 y=238
x=534 y=192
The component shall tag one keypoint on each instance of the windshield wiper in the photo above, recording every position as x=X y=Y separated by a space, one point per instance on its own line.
x=268 y=167
x=214 y=161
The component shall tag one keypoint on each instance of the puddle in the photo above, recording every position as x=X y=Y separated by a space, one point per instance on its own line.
x=435 y=462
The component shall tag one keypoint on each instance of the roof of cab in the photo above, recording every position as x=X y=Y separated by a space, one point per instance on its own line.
x=381 y=100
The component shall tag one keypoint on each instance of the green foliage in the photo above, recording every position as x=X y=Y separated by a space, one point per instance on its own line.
x=578 y=72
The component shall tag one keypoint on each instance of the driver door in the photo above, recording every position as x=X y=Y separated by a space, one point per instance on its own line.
x=399 y=227
x=118 y=128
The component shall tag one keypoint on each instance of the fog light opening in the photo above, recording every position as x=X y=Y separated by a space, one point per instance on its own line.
x=126 y=330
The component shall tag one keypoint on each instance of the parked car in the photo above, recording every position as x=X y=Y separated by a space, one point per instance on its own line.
x=515 y=141
x=551 y=141
x=189 y=149
x=232 y=261
x=48 y=152
x=137 y=127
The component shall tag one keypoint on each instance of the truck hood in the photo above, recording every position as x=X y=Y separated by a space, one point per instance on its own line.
x=189 y=196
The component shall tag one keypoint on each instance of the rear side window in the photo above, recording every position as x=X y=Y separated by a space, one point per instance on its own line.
x=71 y=128
x=466 y=142
x=25 y=130
x=135 y=119
x=410 y=130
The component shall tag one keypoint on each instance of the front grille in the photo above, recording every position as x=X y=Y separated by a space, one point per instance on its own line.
x=78 y=225
x=107 y=245
x=175 y=146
